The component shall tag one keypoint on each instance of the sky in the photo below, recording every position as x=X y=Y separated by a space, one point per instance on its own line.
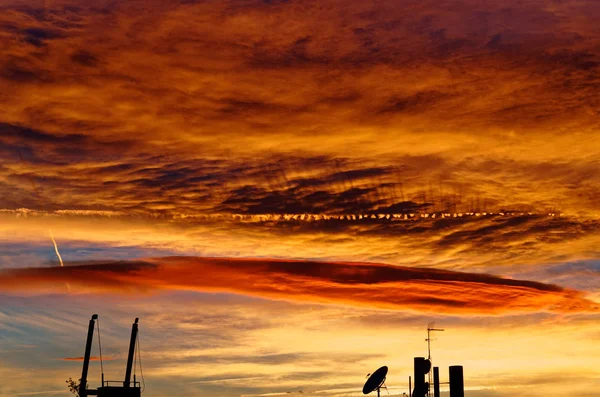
x=287 y=193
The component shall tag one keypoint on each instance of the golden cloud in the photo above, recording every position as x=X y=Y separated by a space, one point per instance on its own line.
x=218 y=106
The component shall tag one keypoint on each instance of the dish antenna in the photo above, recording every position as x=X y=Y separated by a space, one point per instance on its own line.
x=376 y=381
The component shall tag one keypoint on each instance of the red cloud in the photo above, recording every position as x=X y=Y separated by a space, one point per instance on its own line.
x=363 y=284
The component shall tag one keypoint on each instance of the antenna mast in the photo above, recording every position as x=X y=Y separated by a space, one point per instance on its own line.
x=430 y=329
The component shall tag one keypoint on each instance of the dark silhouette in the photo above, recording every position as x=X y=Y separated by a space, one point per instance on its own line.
x=106 y=390
x=436 y=382
x=376 y=381
x=86 y=357
x=430 y=329
x=457 y=386
x=134 y=331
x=73 y=386
x=422 y=367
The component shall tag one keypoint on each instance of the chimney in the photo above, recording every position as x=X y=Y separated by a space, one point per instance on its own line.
x=436 y=382
x=457 y=386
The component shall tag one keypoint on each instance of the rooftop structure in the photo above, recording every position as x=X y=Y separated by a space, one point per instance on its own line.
x=125 y=388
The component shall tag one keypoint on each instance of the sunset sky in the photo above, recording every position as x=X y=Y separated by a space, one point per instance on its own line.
x=287 y=192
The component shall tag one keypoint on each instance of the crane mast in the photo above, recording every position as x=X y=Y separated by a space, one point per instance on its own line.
x=125 y=388
x=83 y=392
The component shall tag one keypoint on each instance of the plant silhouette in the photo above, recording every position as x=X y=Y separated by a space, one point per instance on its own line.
x=74 y=385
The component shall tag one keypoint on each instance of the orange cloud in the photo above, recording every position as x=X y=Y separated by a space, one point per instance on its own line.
x=363 y=284
x=471 y=105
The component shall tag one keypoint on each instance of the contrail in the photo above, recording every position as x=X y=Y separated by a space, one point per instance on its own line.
x=58 y=254
x=56 y=249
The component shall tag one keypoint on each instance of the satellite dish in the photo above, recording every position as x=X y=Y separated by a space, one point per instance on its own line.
x=426 y=366
x=375 y=381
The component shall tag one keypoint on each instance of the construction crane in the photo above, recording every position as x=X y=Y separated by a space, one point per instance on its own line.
x=125 y=388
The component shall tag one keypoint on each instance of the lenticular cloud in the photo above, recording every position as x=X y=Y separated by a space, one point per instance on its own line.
x=359 y=284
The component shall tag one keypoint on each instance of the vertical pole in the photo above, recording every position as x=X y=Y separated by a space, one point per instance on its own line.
x=429 y=358
x=436 y=382
x=86 y=358
x=409 y=387
x=457 y=386
x=428 y=343
x=134 y=330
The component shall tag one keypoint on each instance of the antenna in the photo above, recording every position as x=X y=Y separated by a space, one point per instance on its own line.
x=376 y=381
x=430 y=328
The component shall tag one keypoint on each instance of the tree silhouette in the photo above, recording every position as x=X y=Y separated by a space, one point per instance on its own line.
x=74 y=385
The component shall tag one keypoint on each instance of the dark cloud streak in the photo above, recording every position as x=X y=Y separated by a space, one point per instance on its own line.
x=375 y=285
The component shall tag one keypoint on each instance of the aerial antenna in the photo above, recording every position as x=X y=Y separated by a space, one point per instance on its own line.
x=376 y=381
x=430 y=328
